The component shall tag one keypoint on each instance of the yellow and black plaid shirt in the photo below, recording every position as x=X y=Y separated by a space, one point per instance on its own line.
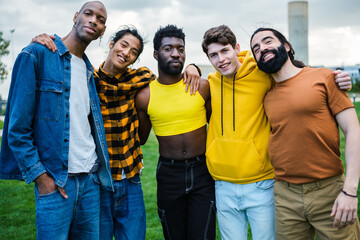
x=117 y=100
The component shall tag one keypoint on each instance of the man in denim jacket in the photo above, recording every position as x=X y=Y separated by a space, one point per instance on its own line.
x=53 y=132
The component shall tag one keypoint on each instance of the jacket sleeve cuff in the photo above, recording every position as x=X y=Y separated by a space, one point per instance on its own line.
x=35 y=171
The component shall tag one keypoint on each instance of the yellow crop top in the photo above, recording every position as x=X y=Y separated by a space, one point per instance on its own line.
x=173 y=111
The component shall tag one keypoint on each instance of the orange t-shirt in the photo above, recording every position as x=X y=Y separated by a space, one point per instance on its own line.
x=304 y=140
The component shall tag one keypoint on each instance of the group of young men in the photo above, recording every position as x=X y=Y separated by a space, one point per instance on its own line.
x=77 y=135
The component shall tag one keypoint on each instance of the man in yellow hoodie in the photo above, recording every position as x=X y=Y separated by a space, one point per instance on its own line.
x=237 y=140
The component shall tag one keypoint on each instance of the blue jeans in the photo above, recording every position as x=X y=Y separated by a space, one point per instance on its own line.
x=239 y=204
x=77 y=217
x=122 y=212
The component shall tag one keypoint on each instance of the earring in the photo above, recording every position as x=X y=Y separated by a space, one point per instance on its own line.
x=100 y=40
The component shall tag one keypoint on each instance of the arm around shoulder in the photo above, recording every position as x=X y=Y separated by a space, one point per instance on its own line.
x=141 y=103
x=204 y=91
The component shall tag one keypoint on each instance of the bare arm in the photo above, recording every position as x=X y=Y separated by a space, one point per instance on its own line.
x=345 y=207
x=141 y=103
x=204 y=90
x=192 y=77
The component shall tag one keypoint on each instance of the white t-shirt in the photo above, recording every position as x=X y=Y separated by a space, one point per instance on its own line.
x=82 y=154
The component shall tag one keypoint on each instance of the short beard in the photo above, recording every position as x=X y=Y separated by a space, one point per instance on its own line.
x=275 y=64
x=166 y=68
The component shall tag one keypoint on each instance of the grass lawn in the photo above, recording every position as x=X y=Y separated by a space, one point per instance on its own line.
x=17 y=207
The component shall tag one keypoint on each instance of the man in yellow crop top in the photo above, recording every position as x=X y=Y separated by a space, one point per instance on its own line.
x=185 y=189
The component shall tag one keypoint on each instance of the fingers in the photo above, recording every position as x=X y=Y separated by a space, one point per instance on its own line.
x=344 y=85
x=62 y=192
x=46 y=40
x=344 y=217
x=186 y=81
x=195 y=85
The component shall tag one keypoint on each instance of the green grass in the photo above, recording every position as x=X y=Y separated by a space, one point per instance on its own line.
x=17 y=207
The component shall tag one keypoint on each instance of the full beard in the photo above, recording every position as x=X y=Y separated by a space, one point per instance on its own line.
x=274 y=64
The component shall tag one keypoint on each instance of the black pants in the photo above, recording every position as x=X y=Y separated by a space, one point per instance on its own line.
x=186 y=199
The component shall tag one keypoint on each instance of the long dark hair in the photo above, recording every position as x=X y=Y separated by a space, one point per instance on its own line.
x=283 y=40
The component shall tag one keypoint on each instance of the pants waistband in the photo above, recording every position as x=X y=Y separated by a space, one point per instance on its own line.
x=320 y=183
x=94 y=169
x=188 y=160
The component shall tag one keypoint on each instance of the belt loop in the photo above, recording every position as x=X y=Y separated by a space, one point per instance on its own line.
x=318 y=184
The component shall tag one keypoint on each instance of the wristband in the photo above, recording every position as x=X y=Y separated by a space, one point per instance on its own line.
x=199 y=70
x=354 y=196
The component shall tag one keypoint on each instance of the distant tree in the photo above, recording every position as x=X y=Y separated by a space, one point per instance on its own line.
x=4 y=44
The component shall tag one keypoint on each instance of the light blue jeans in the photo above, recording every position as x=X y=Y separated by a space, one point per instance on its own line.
x=76 y=217
x=240 y=204
x=122 y=212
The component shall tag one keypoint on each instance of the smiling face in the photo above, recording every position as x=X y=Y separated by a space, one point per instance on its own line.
x=171 y=55
x=90 y=21
x=224 y=58
x=123 y=53
x=270 y=54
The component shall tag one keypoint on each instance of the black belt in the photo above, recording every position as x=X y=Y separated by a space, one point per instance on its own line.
x=94 y=169
x=187 y=160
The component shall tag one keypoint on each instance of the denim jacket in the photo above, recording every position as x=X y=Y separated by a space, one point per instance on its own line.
x=37 y=122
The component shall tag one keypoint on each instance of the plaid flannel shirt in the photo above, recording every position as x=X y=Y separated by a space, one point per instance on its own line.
x=117 y=100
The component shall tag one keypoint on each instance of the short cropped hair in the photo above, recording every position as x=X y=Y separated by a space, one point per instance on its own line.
x=167 y=31
x=221 y=34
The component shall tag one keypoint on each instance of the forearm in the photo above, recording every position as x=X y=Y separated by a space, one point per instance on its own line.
x=352 y=159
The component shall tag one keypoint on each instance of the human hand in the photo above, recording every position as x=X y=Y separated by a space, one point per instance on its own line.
x=344 y=210
x=192 y=78
x=343 y=79
x=47 y=185
x=46 y=40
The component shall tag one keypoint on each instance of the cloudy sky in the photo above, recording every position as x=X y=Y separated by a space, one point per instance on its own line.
x=334 y=25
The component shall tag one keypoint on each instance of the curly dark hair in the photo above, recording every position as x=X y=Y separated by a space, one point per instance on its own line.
x=167 y=31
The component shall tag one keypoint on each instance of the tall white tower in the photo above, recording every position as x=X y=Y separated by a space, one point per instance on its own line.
x=298 y=29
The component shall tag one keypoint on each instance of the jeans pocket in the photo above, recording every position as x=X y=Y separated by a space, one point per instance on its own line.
x=158 y=169
x=95 y=177
x=47 y=194
x=218 y=184
x=135 y=180
x=210 y=218
x=265 y=184
x=162 y=217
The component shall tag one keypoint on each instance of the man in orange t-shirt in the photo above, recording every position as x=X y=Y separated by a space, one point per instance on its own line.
x=304 y=108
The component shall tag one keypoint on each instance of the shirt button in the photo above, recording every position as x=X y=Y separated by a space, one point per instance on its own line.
x=67 y=67
x=65 y=140
x=66 y=89
x=67 y=115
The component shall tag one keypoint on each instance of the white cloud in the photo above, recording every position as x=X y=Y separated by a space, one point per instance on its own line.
x=334 y=26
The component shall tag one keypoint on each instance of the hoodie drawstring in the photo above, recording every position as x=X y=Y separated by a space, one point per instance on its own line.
x=234 y=102
x=222 y=103
x=222 y=107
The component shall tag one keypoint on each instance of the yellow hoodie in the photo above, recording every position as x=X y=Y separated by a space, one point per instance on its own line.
x=239 y=130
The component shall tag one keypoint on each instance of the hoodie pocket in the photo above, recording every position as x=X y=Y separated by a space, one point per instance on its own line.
x=233 y=160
